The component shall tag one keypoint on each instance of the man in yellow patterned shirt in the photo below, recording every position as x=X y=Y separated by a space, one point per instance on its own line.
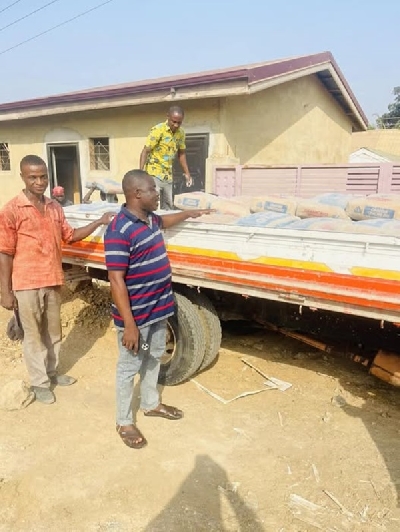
x=164 y=142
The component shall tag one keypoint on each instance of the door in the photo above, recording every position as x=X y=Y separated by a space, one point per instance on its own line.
x=196 y=155
x=64 y=170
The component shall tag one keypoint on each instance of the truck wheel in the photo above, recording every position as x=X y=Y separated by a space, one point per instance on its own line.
x=185 y=343
x=211 y=324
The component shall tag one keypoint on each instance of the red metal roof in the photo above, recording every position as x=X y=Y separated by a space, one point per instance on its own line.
x=250 y=73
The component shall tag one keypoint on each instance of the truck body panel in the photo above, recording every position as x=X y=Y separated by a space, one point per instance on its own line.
x=355 y=274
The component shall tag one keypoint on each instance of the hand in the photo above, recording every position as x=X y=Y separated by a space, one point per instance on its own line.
x=195 y=213
x=107 y=218
x=189 y=180
x=9 y=301
x=130 y=338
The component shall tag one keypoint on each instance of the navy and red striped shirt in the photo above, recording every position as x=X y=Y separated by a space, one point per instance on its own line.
x=138 y=248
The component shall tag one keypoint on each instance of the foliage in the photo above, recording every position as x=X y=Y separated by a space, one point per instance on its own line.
x=391 y=119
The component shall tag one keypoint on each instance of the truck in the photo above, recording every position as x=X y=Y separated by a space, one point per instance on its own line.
x=284 y=279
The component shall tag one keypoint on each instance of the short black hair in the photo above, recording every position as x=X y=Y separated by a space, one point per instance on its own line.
x=176 y=110
x=31 y=160
x=133 y=178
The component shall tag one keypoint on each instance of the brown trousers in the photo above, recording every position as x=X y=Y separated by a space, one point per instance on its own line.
x=39 y=312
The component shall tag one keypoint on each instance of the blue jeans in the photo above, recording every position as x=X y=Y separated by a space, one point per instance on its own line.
x=148 y=367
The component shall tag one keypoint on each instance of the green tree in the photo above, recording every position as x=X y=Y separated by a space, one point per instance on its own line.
x=391 y=119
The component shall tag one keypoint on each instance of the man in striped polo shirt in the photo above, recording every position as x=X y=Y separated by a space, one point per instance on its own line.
x=140 y=276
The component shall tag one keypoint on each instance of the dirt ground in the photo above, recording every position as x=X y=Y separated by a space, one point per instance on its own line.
x=331 y=439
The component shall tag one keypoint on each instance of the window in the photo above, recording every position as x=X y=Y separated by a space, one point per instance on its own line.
x=4 y=157
x=99 y=153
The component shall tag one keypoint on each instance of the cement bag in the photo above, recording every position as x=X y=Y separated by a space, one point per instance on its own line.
x=243 y=200
x=227 y=206
x=275 y=203
x=336 y=199
x=313 y=209
x=194 y=200
x=385 y=206
x=219 y=219
x=321 y=224
x=266 y=219
x=378 y=226
x=106 y=185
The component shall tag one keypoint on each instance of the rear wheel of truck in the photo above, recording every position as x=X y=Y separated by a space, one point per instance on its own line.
x=211 y=324
x=185 y=343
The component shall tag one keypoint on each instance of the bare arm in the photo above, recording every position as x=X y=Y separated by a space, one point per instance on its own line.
x=8 y=300
x=86 y=198
x=168 y=220
x=184 y=165
x=83 y=232
x=120 y=297
x=143 y=156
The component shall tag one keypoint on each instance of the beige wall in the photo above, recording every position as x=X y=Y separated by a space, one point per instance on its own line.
x=386 y=140
x=126 y=128
x=294 y=123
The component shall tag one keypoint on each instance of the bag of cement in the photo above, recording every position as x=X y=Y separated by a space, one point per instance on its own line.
x=266 y=219
x=378 y=226
x=194 y=200
x=227 y=206
x=321 y=224
x=243 y=200
x=336 y=199
x=385 y=206
x=218 y=219
x=275 y=203
x=313 y=209
x=106 y=185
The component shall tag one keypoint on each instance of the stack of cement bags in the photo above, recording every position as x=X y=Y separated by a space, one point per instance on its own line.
x=336 y=212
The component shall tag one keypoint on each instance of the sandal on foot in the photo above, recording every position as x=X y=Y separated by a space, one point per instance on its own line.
x=168 y=412
x=131 y=436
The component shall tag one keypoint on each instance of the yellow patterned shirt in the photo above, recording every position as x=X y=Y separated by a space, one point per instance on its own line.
x=164 y=145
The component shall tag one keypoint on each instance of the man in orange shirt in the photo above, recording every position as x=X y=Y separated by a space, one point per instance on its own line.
x=32 y=228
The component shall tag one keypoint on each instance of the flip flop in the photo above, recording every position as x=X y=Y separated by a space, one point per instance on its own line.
x=130 y=436
x=165 y=411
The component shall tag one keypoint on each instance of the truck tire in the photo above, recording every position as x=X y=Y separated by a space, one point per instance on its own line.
x=211 y=324
x=185 y=343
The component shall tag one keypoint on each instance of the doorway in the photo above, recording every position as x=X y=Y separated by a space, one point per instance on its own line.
x=64 y=169
x=196 y=156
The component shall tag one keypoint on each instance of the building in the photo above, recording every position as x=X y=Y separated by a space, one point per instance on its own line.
x=367 y=155
x=291 y=111
x=380 y=140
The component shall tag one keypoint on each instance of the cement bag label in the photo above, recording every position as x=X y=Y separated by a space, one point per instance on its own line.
x=378 y=212
x=314 y=209
x=274 y=203
x=386 y=206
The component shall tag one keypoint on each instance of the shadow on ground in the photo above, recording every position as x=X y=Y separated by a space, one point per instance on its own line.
x=205 y=501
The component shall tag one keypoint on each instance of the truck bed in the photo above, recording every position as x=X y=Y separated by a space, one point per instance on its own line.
x=348 y=273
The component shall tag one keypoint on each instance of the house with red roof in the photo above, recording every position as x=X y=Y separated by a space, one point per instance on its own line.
x=298 y=110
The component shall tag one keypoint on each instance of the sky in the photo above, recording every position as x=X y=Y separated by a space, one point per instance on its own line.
x=128 y=40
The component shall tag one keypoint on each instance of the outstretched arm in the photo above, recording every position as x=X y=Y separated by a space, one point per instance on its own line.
x=168 y=220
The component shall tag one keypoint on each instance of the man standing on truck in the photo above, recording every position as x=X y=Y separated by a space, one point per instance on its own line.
x=32 y=229
x=140 y=276
x=164 y=142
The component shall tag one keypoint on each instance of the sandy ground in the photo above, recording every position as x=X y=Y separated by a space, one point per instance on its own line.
x=240 y=466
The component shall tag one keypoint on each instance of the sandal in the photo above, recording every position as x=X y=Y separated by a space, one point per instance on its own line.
x=168 y=412
x=131 y=436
